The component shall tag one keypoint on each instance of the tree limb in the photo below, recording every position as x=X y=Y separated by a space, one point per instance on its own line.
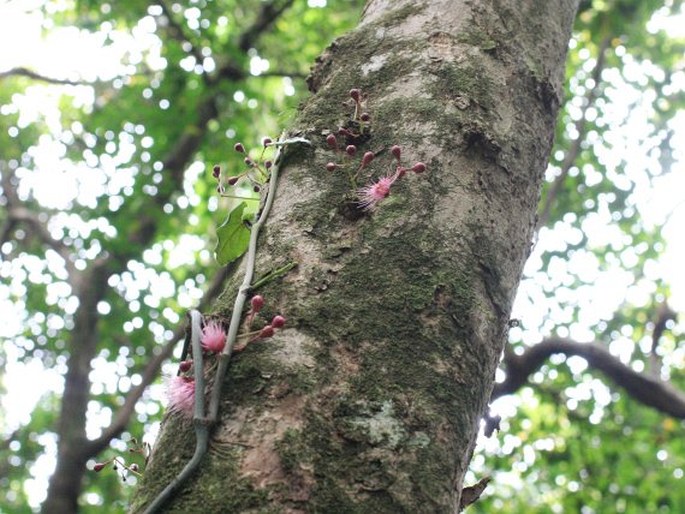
x=644 y=388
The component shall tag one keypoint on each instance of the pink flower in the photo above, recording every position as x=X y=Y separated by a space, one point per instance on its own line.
x=213 y=337
x=181 y=395
x=370 y=196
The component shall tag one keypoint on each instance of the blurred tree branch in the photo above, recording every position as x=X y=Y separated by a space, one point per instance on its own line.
x=581 y=128
x=643 y=387
x=25 y=72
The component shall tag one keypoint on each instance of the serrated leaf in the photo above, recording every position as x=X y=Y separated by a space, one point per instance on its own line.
x=233 y=237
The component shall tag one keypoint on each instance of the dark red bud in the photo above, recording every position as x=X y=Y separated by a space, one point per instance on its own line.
x=99 y=466
x=238 y=147
x=268 y=164
x=256 y=189
x=134 y=467
x=351 y=149
x=419 y=167
x=266 y=141
x=401 y=171
x=344 y=132
x=355 y=94
x=396 y=151
x=249 y=161
x=232 y=181
x=257 y=302
x=267 y=331
x=278 y=321
x=220 y=189
x=185 y=365
x=365 y=116
x=332 y=141
x=368 y=157
x=331 y=166
x=216 y=171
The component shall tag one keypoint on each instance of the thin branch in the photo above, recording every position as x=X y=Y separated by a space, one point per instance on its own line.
x=177 y=32
x=268 y=14
x=644 y=388
x=664 y=315
x=581 y=128
x=282 y=73
x=199 y=419
x=17 y=213
x=25 y=72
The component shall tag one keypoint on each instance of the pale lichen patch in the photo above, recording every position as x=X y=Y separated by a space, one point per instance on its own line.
x=374 y=64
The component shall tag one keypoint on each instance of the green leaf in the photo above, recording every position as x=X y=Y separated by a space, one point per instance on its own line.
x=233 y=236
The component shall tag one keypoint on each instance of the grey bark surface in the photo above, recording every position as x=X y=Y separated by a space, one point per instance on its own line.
x=370 y=399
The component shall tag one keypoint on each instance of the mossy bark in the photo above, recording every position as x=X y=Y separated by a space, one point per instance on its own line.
x=370 y=399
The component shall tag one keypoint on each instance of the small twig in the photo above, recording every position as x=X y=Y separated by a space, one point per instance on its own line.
x=199 y=419
x=580 y=127
x=245 y=287
x=272 y=275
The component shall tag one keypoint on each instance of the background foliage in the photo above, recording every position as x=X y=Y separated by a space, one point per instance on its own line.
x=110 y=206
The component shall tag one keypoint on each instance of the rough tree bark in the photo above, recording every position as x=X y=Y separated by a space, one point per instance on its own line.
x=370 y=400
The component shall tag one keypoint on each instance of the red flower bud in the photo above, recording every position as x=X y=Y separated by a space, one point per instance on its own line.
x=355 y=94
x=256 y=189
x=185 y=365
x=365 y=116
x=368 y=157
x=419 y=167
x=257 y=302
x=266 y=141
x=216 y=171
x=331 y=166
x=396 y=151
x=238 y=147
x=332 y=141
x=351 y=150
x=268 y=164
x=249 y=161
x=134 y=467
x=278 y=321
x=232 y=181
x=99 y=466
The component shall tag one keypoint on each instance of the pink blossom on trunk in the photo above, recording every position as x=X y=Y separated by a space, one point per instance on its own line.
x=181 y=395
x=213 y=337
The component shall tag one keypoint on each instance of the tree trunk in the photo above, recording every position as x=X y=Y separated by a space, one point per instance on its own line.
x=370 y=399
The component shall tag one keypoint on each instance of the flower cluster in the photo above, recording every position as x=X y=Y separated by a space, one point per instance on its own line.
x=277 y=322
x=119 y=464
x=344 y=142
x=257 y=172
x=180 y=389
